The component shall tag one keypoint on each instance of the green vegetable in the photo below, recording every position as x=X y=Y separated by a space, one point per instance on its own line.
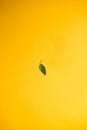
x=42 y=69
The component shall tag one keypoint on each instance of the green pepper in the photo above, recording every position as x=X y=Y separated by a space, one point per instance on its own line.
x=42 y=69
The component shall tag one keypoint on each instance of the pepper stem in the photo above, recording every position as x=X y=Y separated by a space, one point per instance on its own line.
x=40 y=61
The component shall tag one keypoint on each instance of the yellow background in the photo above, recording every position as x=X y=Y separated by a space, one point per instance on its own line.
x=55 y=32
